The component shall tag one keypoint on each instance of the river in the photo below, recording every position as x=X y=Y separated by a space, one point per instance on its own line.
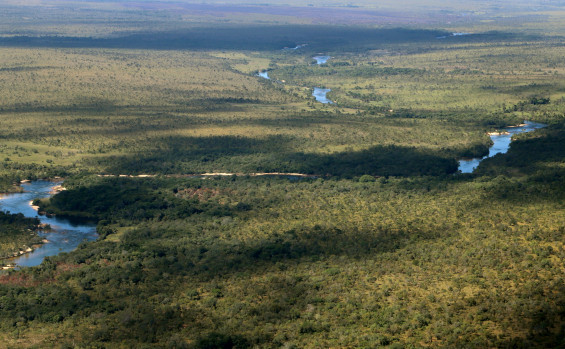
x=295 y=47
x=321 y=95
x=264 y=74
x=321 y=59
x=64 y=235
x=501 y=144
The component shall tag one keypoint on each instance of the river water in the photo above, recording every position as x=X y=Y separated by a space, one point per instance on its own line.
x=295 y=48
x=500 y=146
x=64 y=235
x=321 y=59
x=264 y=74
x=321 y=95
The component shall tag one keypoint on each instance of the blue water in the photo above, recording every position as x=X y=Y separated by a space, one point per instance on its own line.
x=321 y=59
x=500 y=146
x=64 y=236
x=296 y=47
x=321 y=95
x=264 y=74
x=453 y=34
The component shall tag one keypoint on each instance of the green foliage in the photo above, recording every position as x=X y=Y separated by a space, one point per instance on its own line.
x=366 y=178
x=386 y=246
x=123 y=200
x=217 y=340
x=351 y=258
x=538 y=155
x=17 y=233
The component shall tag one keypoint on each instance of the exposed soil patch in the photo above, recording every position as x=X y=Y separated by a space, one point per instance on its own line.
x=202 y=194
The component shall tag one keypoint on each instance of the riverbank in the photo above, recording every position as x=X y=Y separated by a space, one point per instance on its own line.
x=16 y=255
x=501 y=143
x=35 y=241
x=499 y=133
x=320 y=94
x=18 y=234
x=57 y=189
x=217 y=174
x=17 y=245
x=53 y=235
x=21 y=253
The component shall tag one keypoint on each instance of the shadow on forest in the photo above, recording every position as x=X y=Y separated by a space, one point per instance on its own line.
x=160 y=261
x=269 y=37
x=102 y=106
x=94 y=106
x=529 y=154
x=219 y=258
x=191 y=155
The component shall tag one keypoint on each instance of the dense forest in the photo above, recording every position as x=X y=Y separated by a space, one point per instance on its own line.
x=235 y=211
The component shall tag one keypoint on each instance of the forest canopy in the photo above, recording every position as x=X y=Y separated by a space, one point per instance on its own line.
x=236 y=211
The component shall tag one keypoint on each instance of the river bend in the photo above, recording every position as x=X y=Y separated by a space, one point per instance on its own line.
x=64 y=235
x=501 y=144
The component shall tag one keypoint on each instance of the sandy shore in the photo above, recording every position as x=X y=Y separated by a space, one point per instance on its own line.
x=498 y=133
x=35 y=207
x=217 y=174
x=213 y=174
x=22 y=252
x=57 y=189
x=521 y=125
x=126 y=176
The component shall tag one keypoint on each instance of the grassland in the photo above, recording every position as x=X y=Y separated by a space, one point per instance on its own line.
x=75 y=109
x=67 y=110
x=387 y=247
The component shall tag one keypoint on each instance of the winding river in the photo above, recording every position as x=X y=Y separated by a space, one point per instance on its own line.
x=319 y=93
x=64 y=235
x=501 y=144
x=501 y=140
